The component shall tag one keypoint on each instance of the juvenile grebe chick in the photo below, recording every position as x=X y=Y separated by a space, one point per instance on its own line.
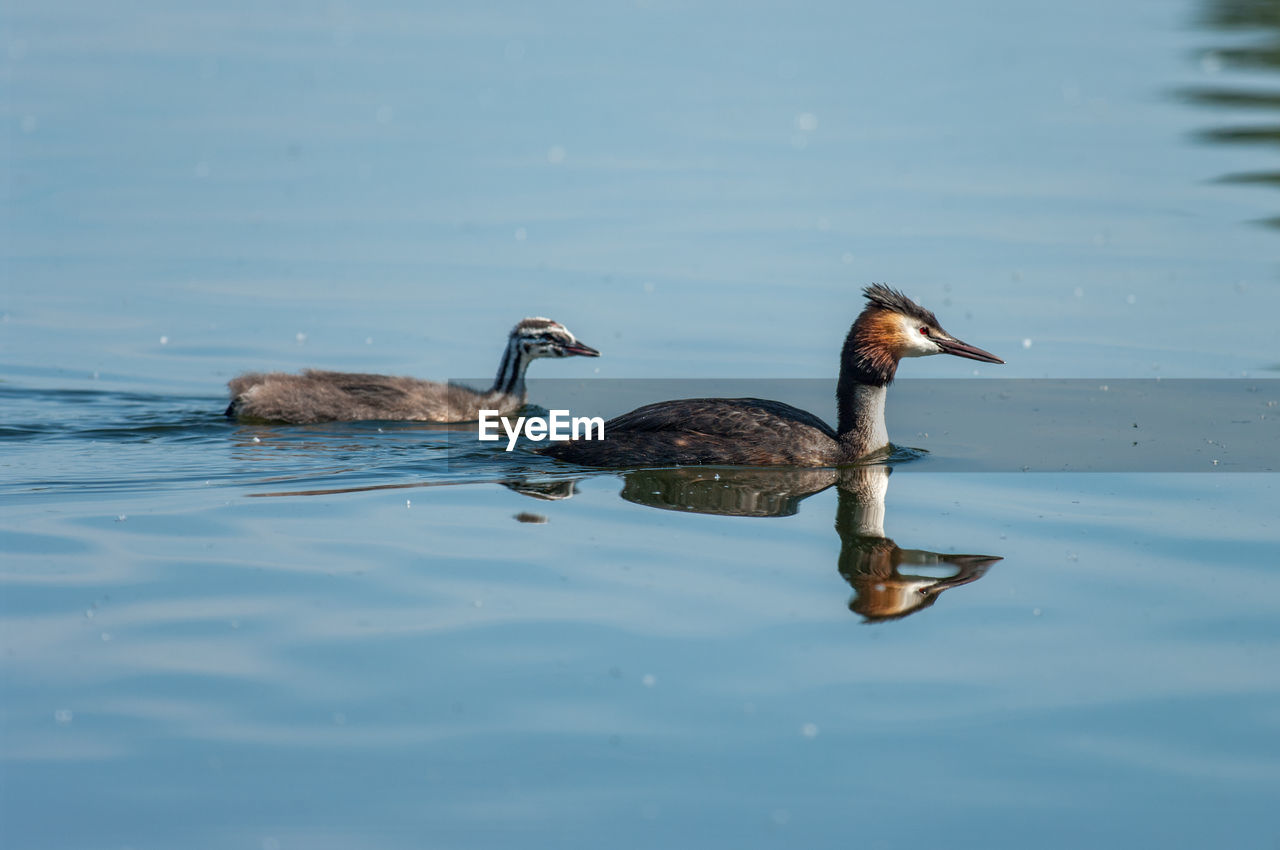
x=315 y=396
x=755 y=432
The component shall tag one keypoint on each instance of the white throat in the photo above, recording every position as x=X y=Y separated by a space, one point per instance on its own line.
x=872 y=431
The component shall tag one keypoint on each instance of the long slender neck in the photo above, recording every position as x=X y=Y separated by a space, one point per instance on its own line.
x=510 y=379
x=866 y=371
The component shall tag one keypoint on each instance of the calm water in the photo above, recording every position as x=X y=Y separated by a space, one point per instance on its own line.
x=385 y=635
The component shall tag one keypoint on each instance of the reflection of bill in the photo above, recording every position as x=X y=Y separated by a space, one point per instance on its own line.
x=889 y=582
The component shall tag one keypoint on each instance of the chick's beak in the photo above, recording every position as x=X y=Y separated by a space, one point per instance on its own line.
x=964 y=349
x=579 y=349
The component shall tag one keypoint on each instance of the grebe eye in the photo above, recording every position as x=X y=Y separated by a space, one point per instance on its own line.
x=924 y=331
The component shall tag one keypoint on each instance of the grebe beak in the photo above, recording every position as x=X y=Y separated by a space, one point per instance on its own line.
x=950 y=345
x=579 y=349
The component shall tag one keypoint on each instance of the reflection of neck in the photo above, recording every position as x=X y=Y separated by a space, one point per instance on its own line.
x=860 y=505
x=510 y=379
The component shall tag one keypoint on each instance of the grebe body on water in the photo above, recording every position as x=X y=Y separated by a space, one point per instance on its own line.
x=316 y=396
x=756 y=432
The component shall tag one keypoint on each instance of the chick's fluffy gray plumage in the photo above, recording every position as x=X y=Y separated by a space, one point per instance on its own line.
x=320 y=396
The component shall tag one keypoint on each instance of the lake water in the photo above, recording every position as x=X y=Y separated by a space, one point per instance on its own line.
x=387 y=635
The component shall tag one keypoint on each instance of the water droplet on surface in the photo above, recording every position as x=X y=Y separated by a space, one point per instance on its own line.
x=649 y=680
x=1026 y=343
x=300 y=337
x=63 y=716
x=806 y=122
x=809 y=730
x=164 y=340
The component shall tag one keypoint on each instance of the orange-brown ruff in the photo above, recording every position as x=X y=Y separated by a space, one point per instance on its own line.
x=316 y=396
x=757 y=432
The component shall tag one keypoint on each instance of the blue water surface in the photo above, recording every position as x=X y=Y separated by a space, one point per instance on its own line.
x=386 y=635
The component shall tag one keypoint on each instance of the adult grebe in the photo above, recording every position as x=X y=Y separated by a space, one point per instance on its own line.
x=315 y=396
x=755 y=432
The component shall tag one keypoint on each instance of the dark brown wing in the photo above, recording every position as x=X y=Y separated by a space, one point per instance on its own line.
x=724 y=417
x=697 y=431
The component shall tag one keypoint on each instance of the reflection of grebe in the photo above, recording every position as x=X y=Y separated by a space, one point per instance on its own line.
x=755 y=432
x=315 y=396
x=880 y=572
x=873 y=564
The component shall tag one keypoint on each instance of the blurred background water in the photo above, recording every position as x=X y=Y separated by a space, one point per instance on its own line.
x=381 y=635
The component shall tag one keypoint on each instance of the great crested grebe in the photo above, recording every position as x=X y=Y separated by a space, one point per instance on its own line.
x=315 y=396
x=756 y=432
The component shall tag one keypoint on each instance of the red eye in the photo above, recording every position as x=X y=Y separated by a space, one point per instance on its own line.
x=924 y=331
